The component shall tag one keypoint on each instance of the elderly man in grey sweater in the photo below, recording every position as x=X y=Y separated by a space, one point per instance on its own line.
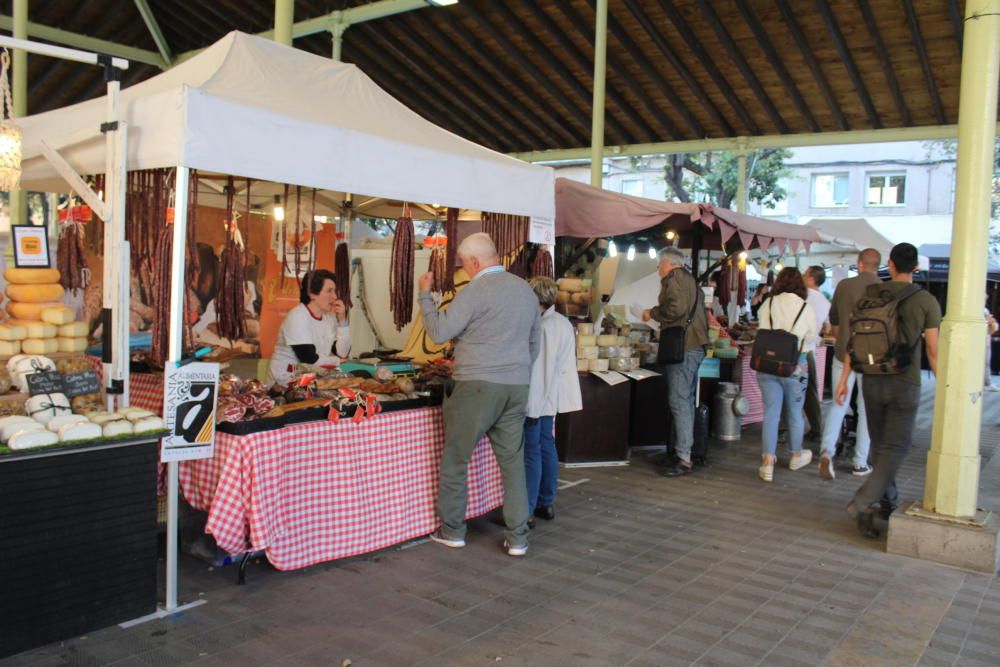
x=496 y=327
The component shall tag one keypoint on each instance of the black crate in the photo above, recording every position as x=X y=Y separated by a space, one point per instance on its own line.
x=78 y=541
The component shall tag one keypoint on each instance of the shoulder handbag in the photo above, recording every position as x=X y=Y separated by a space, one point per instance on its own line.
x=671 y=350
x=776 y=351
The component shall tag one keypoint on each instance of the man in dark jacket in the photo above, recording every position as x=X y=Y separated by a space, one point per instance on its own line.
x=679 y=297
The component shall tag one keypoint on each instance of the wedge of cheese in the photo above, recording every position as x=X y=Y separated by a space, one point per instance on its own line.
x=74 y=330
x=58 y=315
x=40 y=345
x=31 y=276
x=59 y=421
x=71 y=344
x=35 y=293
x=29 y=311
x=12 y=332
x=80 y=431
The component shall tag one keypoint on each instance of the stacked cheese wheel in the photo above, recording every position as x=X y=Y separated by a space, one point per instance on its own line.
x=39 y=323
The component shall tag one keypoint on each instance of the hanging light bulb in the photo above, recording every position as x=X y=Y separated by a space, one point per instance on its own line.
x=652 y=252
x=743 y=255
x=671 y=235
x=778 y=267
x=10 y=134
x=612 y=249
x=631 y=253
x=279 y=210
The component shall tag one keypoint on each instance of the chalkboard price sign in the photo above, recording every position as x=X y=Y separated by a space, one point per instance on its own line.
x=78 y=384
x=47 y=382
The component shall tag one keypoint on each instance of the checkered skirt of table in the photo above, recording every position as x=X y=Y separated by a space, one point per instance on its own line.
x=320 y=491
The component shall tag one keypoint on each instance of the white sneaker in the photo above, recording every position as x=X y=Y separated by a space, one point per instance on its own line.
x=991 y=388
x=801 y=461
x=826 y=468
x=518 y=550
x=453 y=542
x=766 y=471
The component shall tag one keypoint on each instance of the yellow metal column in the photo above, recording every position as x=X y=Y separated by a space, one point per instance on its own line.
x=952 y=483
x=19 y=93
x=597 y=114
x=284 y=17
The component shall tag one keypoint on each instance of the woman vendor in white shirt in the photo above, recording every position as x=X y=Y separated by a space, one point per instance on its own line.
x=314 y=332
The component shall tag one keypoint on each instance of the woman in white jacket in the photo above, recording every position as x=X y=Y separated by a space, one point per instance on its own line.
x=555 y=388
x=786 y=309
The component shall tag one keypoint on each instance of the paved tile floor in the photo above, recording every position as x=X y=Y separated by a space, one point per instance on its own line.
x=712 y=569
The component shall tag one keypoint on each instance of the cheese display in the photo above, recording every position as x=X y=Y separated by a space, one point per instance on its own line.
x=40 y=345
x=56 y=423
x=584 y=340
x=58 y=315
x=64 y=344
x=9 y=347
x=74 y=330
x=29 y=311
x=147 y=424
x=31 y=276
x=28 y=439
x=10 y=429
x=44 y=407
x=35 y=293
x=118 y=428
x=84 y=430
x=15 y=332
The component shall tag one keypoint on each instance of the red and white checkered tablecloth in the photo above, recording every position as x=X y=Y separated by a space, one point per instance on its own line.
x=145 y=389
x=319 y=491
x=751 y=390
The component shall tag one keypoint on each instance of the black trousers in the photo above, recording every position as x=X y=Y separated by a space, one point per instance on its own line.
x=891 y=404
x=812 y=408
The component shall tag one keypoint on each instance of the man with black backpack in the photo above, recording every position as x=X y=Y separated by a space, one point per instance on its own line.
x=888 y=327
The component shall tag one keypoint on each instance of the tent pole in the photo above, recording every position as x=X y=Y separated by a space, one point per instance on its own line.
x=176 y=351
x=952 y=484
x=19 y=93
x=284 y=17
x=338 y=26
x=597 y=113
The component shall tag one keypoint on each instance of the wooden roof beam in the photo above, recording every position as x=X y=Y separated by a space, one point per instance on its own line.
x=883 y=56
x=708 y=64
x=812 y=64
x=675 y=62
x=925 y=63
x=510 y=18
x=848 y=61
x=476 y=98
x=430 y=101
x=567 y=46
x=764 y=41
x=741 y=64
x=621 y=72
x=529 y=68
x=507 y=77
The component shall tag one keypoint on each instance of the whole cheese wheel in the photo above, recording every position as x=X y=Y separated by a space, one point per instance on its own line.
x=31 y=276
x=35 y=293
x=570 y=284
x=20 y=310
x=40 y=345
x=598 y=364
x=8 y=347
x=580 y=297
x=58 y=315
x=604 y=340
x=71 y=344
x=587 y=352
x=562 y=296
x=585 y=340
x=585 y=329
x=12 y=332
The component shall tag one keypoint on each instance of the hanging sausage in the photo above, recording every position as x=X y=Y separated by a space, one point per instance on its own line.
x=401 y=271
x=230 y=309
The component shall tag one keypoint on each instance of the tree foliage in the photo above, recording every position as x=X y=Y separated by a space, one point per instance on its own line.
x=948 y=148
x=712 y=177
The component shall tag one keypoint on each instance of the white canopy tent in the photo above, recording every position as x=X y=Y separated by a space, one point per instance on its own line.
x=253 y=108
x=247 y=106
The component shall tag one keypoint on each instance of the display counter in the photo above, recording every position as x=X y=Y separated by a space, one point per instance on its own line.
x=598 y=433
x=78 y=540
x=318 y=491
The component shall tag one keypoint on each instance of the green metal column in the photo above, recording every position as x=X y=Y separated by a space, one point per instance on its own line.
x=597 y=117
x=952 y=483
x=284 y=17
x=741 y=178
x=338 y=26
x=19 y=93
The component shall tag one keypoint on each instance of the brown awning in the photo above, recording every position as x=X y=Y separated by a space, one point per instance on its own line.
x=583 y=211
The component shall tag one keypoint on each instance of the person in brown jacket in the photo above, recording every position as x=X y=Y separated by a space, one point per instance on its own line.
x=679 y=296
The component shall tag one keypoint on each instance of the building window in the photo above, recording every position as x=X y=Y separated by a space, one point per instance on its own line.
x=829 y=190
x=632 y=187
x=886 y=189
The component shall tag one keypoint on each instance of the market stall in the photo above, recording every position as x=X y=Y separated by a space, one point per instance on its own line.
x=603 y=235
x=326 y=142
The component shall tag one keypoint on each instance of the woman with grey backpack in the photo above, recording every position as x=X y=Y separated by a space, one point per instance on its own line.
x=787 y=324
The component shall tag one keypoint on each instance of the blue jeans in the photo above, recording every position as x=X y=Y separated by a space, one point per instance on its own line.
x=682 y=384
x=775 y=391
x=541 y=463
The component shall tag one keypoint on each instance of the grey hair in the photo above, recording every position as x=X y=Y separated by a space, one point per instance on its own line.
x=545 y=290
x=672 y=255
x=478 y=245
